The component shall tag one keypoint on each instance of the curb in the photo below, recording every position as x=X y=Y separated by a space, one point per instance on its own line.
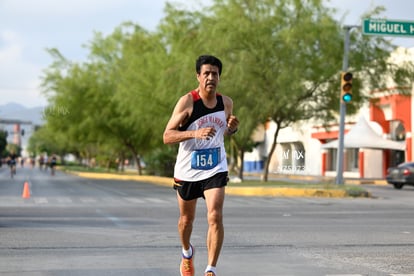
x=284 y=192
x=162 y=181
x=367 y=182
x=240 y=191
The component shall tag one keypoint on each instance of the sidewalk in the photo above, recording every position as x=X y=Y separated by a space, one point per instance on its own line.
x=247 y=191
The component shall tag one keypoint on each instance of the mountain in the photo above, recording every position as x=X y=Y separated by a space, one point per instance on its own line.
x=14 y=111
x=11 y=107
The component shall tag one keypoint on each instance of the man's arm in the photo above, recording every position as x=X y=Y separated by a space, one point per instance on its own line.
x=232 y=121
x=180 y=114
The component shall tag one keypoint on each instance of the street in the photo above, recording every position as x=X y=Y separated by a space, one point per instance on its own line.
x=75 y=226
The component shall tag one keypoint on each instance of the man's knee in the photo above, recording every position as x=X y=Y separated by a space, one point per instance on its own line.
x=215 y=217
x=185 y=220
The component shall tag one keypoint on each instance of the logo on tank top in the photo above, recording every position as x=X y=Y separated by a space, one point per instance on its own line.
x=214 y=122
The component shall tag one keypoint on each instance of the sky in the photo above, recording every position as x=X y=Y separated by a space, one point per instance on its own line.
x=29 y=27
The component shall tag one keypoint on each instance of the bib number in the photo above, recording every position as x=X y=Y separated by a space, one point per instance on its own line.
x=205 y=159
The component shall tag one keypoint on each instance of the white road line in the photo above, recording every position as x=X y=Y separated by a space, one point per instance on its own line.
x=88 y=200
x=40 y=200
x=134 y=199
x=115 y=220
x=344 y=275
x=155 y=200
x=362 y=275
x=64 y=200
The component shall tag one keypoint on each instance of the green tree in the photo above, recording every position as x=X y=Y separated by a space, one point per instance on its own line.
x=282 y=60
x=47 y=140
x=13 y=148
x=3 y=142
x=110 y=99
x=139 y=82
x=285 y=58
x=68 y=88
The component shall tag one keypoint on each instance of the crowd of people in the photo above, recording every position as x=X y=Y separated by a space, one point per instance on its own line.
x=44 y=162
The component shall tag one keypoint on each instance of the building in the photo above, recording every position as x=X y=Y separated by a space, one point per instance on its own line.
x=378 y=137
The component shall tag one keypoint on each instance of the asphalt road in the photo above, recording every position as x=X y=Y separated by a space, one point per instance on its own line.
x=76 y=226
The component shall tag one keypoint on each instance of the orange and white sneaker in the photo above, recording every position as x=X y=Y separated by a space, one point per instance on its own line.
x=209 y=273
x=186 y=266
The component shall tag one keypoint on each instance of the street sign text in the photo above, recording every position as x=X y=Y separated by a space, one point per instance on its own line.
x=388 y=27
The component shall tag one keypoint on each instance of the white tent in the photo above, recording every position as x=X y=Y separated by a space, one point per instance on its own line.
x=361 y=135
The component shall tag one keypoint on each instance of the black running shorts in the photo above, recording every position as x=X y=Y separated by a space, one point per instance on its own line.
x=192 y=190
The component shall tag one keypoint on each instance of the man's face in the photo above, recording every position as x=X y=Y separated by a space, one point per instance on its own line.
x=209 y=77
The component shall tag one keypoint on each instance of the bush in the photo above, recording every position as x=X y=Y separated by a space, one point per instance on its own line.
x=161 y=161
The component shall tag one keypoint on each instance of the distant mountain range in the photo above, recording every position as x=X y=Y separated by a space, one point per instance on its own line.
x=15 y=111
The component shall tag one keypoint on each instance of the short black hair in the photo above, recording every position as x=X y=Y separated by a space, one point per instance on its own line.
x=208 y=59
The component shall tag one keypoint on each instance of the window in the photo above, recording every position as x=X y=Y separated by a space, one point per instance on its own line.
x=351 y=159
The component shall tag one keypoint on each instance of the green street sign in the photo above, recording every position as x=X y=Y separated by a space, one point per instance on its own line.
x=387 y=27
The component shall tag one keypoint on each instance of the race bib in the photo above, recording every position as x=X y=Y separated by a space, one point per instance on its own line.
x=205 y=159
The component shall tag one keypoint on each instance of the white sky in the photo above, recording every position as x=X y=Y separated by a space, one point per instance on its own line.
x=28 y=27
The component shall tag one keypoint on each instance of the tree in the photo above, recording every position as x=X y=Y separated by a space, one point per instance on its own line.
x=47 y=140
x=3 y=142
x=13 y=148
x=67 y=87
x=285 y=58
x=95 y=120
x=140 y=74
x=282 y=60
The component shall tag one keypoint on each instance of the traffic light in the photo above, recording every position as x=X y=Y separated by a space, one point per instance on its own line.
x=22 y=132
x=346 y=87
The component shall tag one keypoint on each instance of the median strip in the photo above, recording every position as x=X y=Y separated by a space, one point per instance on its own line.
x=231 y=190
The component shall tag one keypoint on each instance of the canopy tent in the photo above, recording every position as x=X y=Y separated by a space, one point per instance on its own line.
x=361 y=135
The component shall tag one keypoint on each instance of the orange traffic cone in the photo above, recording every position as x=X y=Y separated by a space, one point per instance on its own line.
x=26 y=190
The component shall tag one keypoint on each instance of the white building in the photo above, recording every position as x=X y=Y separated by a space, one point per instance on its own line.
x=378 y=137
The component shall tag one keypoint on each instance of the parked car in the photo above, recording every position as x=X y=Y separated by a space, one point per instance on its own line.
x=401 y=175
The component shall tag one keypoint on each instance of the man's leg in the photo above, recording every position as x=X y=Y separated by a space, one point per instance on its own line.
x=215 y=235
x=186 y=219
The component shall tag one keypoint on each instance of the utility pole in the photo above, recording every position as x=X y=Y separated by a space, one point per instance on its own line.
x=342 y=111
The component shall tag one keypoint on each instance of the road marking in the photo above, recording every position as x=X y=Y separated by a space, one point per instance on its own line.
x=64 y=200
x=134 y=199
x=155 y=200
x=115 y=220
x=362 y=275
x=40 y=200
x=88 y=200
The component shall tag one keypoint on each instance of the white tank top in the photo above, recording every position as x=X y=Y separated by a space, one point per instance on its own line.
x=199 y=159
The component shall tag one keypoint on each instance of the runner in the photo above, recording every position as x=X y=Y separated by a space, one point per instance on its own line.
x=12 y=161
x=198 y=123
x=53 y=162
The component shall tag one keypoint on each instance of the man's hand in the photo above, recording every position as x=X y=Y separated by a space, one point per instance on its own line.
x=205 y=133
x=232 y=124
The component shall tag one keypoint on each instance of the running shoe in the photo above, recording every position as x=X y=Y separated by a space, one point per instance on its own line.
x=186 y=266
x=209 y=273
